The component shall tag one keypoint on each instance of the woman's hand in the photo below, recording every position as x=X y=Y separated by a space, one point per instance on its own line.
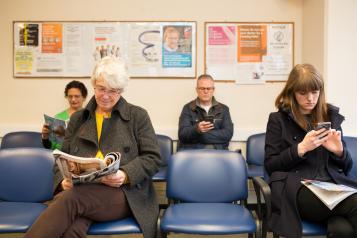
x=333 y=142
x=66 y=184
x=45 y=131
x=114 y=180
x=312 y=140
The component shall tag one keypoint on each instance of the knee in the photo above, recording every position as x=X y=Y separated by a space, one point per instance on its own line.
x=67 y=196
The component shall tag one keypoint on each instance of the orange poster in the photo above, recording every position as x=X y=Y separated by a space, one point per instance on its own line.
x=51 y=38
x=252 y=43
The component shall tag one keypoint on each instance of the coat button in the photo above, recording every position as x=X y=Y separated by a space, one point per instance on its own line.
x=294 y=138
x=126 y=149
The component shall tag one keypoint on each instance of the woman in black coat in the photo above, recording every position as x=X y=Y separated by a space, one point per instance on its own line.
x=295 y=150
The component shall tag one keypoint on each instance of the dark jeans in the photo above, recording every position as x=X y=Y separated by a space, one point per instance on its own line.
x=341 y=221
x=72 y=211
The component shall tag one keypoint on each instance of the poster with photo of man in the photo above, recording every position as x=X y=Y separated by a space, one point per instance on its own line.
x=176 y=46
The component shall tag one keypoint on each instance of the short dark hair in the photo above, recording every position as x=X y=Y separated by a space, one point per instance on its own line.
x=205 y=76
x=76 y=84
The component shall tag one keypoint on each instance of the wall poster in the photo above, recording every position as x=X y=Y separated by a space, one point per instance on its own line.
x=70 y=49
x=249 y=53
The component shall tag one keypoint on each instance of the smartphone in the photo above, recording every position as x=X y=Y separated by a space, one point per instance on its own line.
x=326 y=125
x=208 y=118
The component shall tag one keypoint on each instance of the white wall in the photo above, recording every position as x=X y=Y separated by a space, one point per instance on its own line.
x=23 y=101
x=341 y=59
x=313 y=46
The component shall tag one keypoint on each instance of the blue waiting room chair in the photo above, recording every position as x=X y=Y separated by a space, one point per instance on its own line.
x=26 y=176
x=166 y=150
x=255 y=155
x=351 y=144
x=22 y=139
x=26 y=181
x=209 y=188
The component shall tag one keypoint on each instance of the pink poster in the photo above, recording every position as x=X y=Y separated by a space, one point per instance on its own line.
x=221 y=35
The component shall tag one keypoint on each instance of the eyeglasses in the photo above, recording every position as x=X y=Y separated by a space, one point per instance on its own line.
x=109 y=92
x=74 y=96
x=204 y=89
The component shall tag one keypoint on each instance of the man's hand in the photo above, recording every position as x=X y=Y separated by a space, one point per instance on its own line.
x=204 y=126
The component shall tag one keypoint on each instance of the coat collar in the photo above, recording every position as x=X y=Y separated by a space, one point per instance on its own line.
x=121 y=108
x=195 y=104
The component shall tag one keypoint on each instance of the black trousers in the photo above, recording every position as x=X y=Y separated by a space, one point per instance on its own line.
x=72 y=211
x=341 y=221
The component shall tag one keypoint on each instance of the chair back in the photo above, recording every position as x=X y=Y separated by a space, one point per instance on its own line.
x=351 y=143
x=22 y=139
x=166 y=148
x=26 y=174
x=256 y=149
x=207 y=176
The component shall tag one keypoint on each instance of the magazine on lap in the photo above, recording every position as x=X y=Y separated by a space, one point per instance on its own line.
x=86 y=170
x=329 y=193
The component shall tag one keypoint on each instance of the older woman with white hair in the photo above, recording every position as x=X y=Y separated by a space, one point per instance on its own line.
x=108 y=123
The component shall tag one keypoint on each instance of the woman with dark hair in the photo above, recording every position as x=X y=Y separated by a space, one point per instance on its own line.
x=76 y=93
x=295 y=150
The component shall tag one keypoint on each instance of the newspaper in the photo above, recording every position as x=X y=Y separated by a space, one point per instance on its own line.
x=86 y=170
x=57 y=129
x=329 y=193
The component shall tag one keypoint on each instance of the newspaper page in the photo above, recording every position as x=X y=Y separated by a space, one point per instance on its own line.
x=86 y=170
x=329 y=193
x=57 y=129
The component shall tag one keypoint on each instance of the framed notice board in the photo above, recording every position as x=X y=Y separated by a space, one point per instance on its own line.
x=249 y=52
x=70 y=49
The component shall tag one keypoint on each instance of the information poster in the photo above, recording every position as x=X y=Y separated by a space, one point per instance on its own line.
x=249 y=53
x=71 y=49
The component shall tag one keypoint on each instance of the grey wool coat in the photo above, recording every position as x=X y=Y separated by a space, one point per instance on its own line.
x=129 y=132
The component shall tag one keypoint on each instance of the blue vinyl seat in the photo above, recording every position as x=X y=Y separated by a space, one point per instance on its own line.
x=117 y=227
x=210 y=188
x=22 y=139
x=166 y=150
x=255 y=155
x=26 y=181
x=351 y=144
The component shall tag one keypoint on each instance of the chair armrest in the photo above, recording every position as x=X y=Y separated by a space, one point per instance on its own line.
x=261 y=187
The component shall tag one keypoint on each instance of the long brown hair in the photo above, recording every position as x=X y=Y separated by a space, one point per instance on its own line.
x=303 y=77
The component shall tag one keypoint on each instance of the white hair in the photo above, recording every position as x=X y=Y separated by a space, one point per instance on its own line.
x=114 y=72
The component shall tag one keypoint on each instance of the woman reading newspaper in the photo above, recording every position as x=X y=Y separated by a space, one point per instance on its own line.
x=76 y=93
x=295 y=149
x=107 y=124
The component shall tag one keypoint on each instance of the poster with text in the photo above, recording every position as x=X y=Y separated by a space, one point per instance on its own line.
x=71 y=49
x=249 y=53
